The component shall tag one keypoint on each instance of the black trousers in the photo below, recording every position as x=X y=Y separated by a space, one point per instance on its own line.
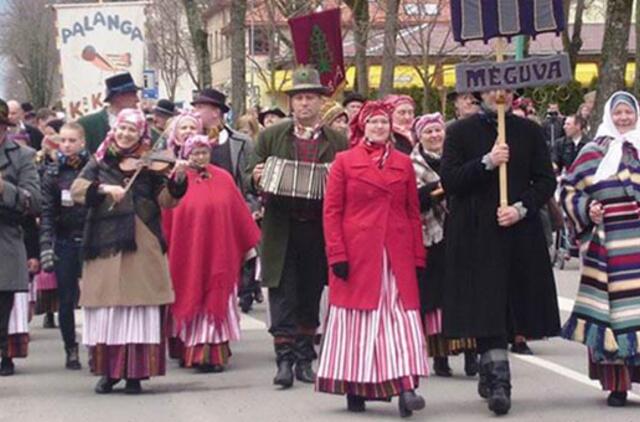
x=484 y=344
x=68 y=269
x=6 y=304
x=249 y=284
x=294 y=305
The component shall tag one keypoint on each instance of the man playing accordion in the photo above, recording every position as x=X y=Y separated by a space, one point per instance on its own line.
x=289 y=167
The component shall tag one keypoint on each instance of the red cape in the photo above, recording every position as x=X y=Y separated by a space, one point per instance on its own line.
x=208 y=233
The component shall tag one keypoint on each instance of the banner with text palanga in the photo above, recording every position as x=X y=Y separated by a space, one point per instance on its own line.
x=513 y=74
x=97 y=41
x=317 y=41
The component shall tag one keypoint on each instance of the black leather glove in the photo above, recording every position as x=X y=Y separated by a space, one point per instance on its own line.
x=341 y=270
x=47 y=260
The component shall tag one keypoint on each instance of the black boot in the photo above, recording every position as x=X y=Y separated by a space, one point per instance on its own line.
x=441 y=367
x=495 y=365
x=284 y=359
x=355 y=403
x=470 y=363
x=73 y=361
x=7 y=368
x=408 y=402
x=617 y=399
x=133 y=387
x=49 y=320
x=305 y=354
x=483 y=383
x=105 y=385
x=521 y=348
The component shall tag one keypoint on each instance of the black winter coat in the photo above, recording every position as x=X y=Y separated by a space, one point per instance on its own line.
x=60 y=220
x=497 y=279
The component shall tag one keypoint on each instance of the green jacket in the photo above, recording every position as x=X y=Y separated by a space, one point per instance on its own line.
x=96 y=127
x=277 y=141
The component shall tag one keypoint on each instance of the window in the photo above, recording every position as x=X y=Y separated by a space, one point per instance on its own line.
x=260 y=41
x=421 y=9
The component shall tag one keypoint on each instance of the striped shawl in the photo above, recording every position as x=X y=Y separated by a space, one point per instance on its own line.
x=433 y=219
x=606 y=315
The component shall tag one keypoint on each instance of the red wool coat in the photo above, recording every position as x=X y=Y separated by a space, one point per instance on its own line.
x=368 y=210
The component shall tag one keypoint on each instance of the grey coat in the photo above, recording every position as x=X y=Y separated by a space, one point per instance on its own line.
x=20 y=198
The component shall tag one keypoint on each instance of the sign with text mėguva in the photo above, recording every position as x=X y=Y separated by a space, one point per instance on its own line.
x=511 y=74
x=95 y=41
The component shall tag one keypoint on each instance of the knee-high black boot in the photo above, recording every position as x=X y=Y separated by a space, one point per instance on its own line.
x=285 y=358
x=305 y=354
x=495 y=366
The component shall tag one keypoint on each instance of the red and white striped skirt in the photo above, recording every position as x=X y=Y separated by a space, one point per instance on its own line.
x=373 y=354
x=18 y=339
x=125 y=341
x=203 y=341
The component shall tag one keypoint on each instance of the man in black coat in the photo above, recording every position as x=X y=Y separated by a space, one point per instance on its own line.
x=498 y=268
x=566 y=149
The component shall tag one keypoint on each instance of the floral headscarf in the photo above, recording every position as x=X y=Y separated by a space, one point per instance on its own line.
x=420 y=123
x=193 y=142
x=128 y=115
x=172 y=140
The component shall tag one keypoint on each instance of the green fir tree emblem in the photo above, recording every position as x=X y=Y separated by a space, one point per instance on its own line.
x=319 y=52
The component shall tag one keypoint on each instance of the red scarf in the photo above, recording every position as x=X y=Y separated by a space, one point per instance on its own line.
x=378 y=152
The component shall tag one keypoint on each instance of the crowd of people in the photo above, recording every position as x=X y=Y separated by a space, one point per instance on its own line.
x=162 y=226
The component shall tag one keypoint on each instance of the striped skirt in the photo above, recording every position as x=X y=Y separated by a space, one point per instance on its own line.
x=613 y=377
x=440 y=346
x=18 y=341
x=46 y=290
x=202 y=341
x=125 y=341
x=373 y=354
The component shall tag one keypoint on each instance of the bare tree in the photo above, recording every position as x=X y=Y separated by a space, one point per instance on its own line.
x=238 y=57
x=199 y=41
x=166 y=28
x=573 y=44
x=614 y=54
x=391 y=8
x=28 y=41
x=360 y=12
x=432 y=46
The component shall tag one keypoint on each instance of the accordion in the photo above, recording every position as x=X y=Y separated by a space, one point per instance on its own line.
x=295 y=179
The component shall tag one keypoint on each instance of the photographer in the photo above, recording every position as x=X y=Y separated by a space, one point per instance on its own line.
x=552 y=124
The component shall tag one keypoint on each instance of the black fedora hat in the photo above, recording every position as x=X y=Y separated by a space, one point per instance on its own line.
x=165 y=107
x=119 y=84
x=453 y=95
x=213 y=97
x=353 y=97
x=274 y=111
x=4 y=114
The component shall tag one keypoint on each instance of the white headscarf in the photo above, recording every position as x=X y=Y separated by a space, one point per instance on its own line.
x=611 y=161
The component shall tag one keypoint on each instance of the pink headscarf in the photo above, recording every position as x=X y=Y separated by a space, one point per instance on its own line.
x=193 y=142
x=368 y=110
x=423 y=121
x=132 y=116
x=394 y=101
x=172 y=141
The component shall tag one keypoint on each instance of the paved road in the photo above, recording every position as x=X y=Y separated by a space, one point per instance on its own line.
x=551 y=386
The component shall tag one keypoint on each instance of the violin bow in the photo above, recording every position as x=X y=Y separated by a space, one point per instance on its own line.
x=129 y=184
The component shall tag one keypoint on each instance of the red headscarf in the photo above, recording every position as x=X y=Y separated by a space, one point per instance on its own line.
x=368 y=110
x=393 y=100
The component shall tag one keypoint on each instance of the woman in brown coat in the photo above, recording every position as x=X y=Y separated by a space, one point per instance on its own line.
x=125 y=273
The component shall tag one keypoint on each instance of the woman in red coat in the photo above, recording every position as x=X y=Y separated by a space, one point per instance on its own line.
x=374 y=346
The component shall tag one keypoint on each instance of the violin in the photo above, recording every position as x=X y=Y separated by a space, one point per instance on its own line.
x=157 y=162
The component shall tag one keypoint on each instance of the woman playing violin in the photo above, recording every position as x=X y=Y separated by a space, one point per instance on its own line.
x=125 y=283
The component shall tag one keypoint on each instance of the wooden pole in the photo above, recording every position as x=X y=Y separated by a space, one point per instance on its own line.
x=502 y=138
